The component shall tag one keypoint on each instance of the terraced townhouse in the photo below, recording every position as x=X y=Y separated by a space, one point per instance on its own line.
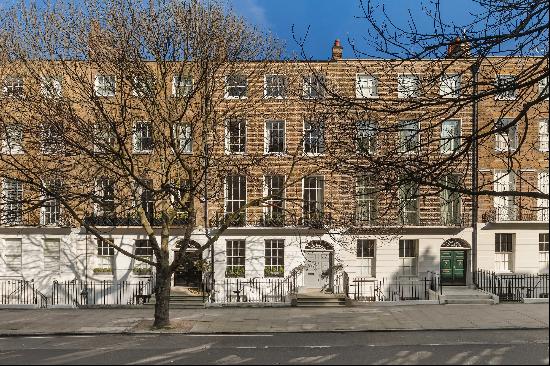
x=325 y=216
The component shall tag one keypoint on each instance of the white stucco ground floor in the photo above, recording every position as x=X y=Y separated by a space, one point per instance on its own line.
x=313 y=259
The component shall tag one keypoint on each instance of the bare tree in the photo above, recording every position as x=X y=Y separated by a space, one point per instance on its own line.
x=132 y=114
x=489 y=77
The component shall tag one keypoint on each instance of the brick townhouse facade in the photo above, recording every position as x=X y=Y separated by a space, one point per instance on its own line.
x=324 y=212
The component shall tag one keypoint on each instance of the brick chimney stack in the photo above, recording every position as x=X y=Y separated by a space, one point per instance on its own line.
x=336 y=51
x=458 y=48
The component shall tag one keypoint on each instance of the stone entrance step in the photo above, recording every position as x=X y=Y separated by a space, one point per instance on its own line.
x=315 y=298
x=184 y=299
x=464 y=295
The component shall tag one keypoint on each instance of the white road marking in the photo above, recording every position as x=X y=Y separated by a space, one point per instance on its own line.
x=229 y=335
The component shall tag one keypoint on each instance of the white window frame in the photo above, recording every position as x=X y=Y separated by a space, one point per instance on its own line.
x=149 y=253
x=314 y=86
x=277 y=202
x=309 y=133
x=12 y=139
x=503 y=80
x=51 y=87
x=138 y=137
x=235 y=253
x=101 y=185
x=105 y=254
x=408 y=265
x=12 y=187
x=231 y=88
x=51 y=139
x=366 y=199
x=508 y=139
x=182 y=85
x=317 y=191
x=451 y=202
x=543 y=211
x=268 y=132
x=104 y=137
x=13 y=255
x=50 y=212
x=408 y=86
x=408 y=138
x=275 y=91
x=543 y=135
x=274 y=255
x=543 y=87
x=504 y=205
x=449 y=85
x=142 y=87
x=366 y=86
x=409 y=206
x=504 y=259
x=52 y=256
x=105 y=85
x=183 y=132
x=366 y=131
x=543 y=252
x=240 y=137
x=450 y=136
x=367 y=260
x=147 y=199
x=234 y=203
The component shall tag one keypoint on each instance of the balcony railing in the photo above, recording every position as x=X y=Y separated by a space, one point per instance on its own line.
x=512 y=213
x=356 y=220
x=128 y=221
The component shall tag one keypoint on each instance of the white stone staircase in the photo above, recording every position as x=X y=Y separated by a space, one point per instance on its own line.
x=316 y=298
x=465 y=295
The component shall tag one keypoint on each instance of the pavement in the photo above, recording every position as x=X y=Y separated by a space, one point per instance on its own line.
x=28 y=322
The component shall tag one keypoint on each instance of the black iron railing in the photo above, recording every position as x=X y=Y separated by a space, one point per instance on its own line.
x=21 y=292
x=85 y=293
x=513 y=287
x=395 y=289
x=259 y=289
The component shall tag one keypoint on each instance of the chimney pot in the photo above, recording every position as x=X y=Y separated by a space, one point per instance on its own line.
x=337 y=50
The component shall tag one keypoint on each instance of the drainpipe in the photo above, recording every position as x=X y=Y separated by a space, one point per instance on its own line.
x=475 y=199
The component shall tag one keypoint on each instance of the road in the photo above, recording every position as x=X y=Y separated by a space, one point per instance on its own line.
x=427 y=347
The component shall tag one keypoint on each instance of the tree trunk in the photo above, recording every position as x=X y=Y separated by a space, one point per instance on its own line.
x=162 y=296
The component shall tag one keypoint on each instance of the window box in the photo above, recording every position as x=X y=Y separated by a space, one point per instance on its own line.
x=234 y=272
x=141 y=271
x=103 y=271
x=274 y=271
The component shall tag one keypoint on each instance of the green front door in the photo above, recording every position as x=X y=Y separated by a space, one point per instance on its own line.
x=453 y=267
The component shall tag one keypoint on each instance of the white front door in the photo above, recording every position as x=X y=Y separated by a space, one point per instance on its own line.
x=317 y=262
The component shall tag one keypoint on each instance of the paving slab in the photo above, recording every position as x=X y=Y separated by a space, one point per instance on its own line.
x=252 y=320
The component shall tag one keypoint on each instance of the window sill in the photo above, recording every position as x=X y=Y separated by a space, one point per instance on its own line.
x=235 y=153
x=367 y=97
x=143 y=152
x=275 y=153
x=312 y=155
x=505 y=99
x=275 y=98
x=226 y=97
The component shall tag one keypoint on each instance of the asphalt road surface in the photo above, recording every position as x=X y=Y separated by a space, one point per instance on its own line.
x=378 y=348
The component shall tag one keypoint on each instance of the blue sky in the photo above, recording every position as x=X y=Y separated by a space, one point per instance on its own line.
x=331 y=19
